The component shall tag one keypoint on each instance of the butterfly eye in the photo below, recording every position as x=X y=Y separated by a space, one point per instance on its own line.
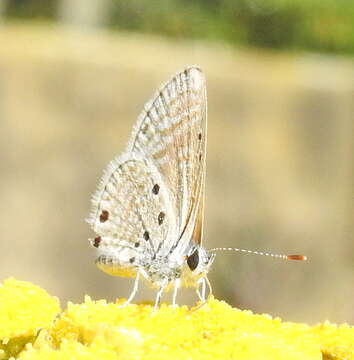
x=193 y=260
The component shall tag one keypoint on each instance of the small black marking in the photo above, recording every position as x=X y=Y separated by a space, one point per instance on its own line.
x=200 y=156
x=193 y=260
x=137 y=244
x=146 y=235
x=104 y=216
x=161 y=217
x=156 y=189
x=200 y=136
x=132 y=260
x=144 y=128
x=96 y=241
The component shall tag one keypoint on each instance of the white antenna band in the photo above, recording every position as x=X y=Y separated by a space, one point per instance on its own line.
x=280 y=256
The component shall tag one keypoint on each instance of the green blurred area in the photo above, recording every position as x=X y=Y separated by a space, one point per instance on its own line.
x=317 y=25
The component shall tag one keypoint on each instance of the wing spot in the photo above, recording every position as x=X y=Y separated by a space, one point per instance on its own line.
x=146 y=236
x=137 y=244
x=97 y=241
x=200 y=136
x=156 y=189
x=144 y=128
x=104 y=216
x=161 y=217
x=200 y=156
x=132 y=260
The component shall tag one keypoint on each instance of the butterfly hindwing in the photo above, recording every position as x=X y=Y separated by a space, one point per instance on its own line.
x=130 y=212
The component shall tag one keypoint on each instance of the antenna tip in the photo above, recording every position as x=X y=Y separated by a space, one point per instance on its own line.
x=297 y=257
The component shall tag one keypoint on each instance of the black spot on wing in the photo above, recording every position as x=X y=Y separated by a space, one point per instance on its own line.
x=156 y=189
x=161 y=217
x=104 y=216
x=96 y=241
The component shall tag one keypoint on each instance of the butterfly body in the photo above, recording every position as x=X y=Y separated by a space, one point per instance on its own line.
x=149 y=207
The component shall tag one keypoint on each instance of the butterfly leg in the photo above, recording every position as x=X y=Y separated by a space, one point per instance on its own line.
x=204 y=281
x=175 y=289
x=209 y=286
x=159 y=295
x=135 y=290
x=201 y=294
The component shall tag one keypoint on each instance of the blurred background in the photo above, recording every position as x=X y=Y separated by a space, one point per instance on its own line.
x=74 y=75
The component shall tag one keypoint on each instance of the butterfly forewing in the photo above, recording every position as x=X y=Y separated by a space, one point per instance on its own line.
x=171 y=132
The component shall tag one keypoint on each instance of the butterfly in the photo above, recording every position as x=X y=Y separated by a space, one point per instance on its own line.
x=148 y=210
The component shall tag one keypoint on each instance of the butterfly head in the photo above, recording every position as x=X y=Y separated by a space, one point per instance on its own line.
x=199 y=261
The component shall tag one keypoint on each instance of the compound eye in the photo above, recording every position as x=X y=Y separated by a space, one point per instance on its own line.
x=193 y=260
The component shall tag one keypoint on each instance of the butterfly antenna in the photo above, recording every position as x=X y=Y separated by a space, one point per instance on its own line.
x=280 y=256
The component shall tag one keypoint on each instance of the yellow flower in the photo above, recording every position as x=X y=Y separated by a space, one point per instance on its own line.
x=337 y=342
x=101 y=330
x=24 y=310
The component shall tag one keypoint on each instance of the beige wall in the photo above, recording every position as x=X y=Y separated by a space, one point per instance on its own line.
x=280 y=163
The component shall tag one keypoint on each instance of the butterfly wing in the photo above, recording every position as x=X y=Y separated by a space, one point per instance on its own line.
x=129 y=215
x=171 y=132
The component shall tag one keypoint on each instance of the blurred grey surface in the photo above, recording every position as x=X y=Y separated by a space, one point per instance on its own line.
x=279 y=169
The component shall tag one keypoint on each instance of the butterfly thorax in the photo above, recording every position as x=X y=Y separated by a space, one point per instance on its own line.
x=164 y=270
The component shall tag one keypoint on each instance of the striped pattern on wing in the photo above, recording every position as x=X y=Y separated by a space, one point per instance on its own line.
x=171 y=132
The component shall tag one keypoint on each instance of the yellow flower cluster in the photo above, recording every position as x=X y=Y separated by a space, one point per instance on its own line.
x=25 y=309
x=33 y=328
x=337 y=342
